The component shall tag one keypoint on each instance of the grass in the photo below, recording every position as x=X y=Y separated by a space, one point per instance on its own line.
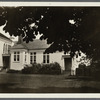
x=21 y=83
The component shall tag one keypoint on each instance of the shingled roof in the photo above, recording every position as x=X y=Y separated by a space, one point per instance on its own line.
x=34 y=45
x=3 y=36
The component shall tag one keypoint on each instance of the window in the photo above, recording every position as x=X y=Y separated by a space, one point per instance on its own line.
x=16 y=56
x=9 y=48
x=25 y=56
x=33 y=57
x=4 y=49
x=46 y=58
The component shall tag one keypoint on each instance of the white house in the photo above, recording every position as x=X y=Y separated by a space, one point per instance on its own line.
x=5 y=45
x=33 y=52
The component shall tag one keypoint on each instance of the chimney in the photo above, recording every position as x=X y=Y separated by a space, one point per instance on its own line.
x=20 y=39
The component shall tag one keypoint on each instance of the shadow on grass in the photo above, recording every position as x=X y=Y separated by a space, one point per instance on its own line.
x=49 y=90
x=6 y=85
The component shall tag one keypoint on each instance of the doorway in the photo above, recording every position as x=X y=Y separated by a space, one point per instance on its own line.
x=68 y=64
x=6 y=62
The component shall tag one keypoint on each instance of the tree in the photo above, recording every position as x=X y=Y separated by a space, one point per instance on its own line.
x=53 y=23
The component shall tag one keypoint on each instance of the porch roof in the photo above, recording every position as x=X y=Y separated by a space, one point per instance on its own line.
x=66 y=56
x=4 y=55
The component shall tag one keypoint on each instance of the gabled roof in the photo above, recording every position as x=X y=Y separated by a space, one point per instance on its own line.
x=37 y=44
x=3 y=36
x=34 y=45
x=18 y=46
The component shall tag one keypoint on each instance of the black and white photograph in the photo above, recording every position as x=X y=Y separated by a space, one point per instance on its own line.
x=49 y=49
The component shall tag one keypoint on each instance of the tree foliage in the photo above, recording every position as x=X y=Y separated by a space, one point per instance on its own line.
x=53 y=23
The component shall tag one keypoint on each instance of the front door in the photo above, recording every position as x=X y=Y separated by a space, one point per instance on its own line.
x=68 y=64
x=6 y=61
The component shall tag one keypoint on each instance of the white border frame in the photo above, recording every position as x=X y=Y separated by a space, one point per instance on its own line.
x=50 y=95
x=57 y=4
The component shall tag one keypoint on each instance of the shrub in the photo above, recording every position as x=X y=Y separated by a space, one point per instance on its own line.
x=33 y=69
x=36 y=68
x=13 y=71
x=83 y=70
x=95 y=72
x=79 y=72
x=52 y=68
x=82 y=65
x=92 y=70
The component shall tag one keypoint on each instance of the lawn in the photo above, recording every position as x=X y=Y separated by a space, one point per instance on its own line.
x=21 y=83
